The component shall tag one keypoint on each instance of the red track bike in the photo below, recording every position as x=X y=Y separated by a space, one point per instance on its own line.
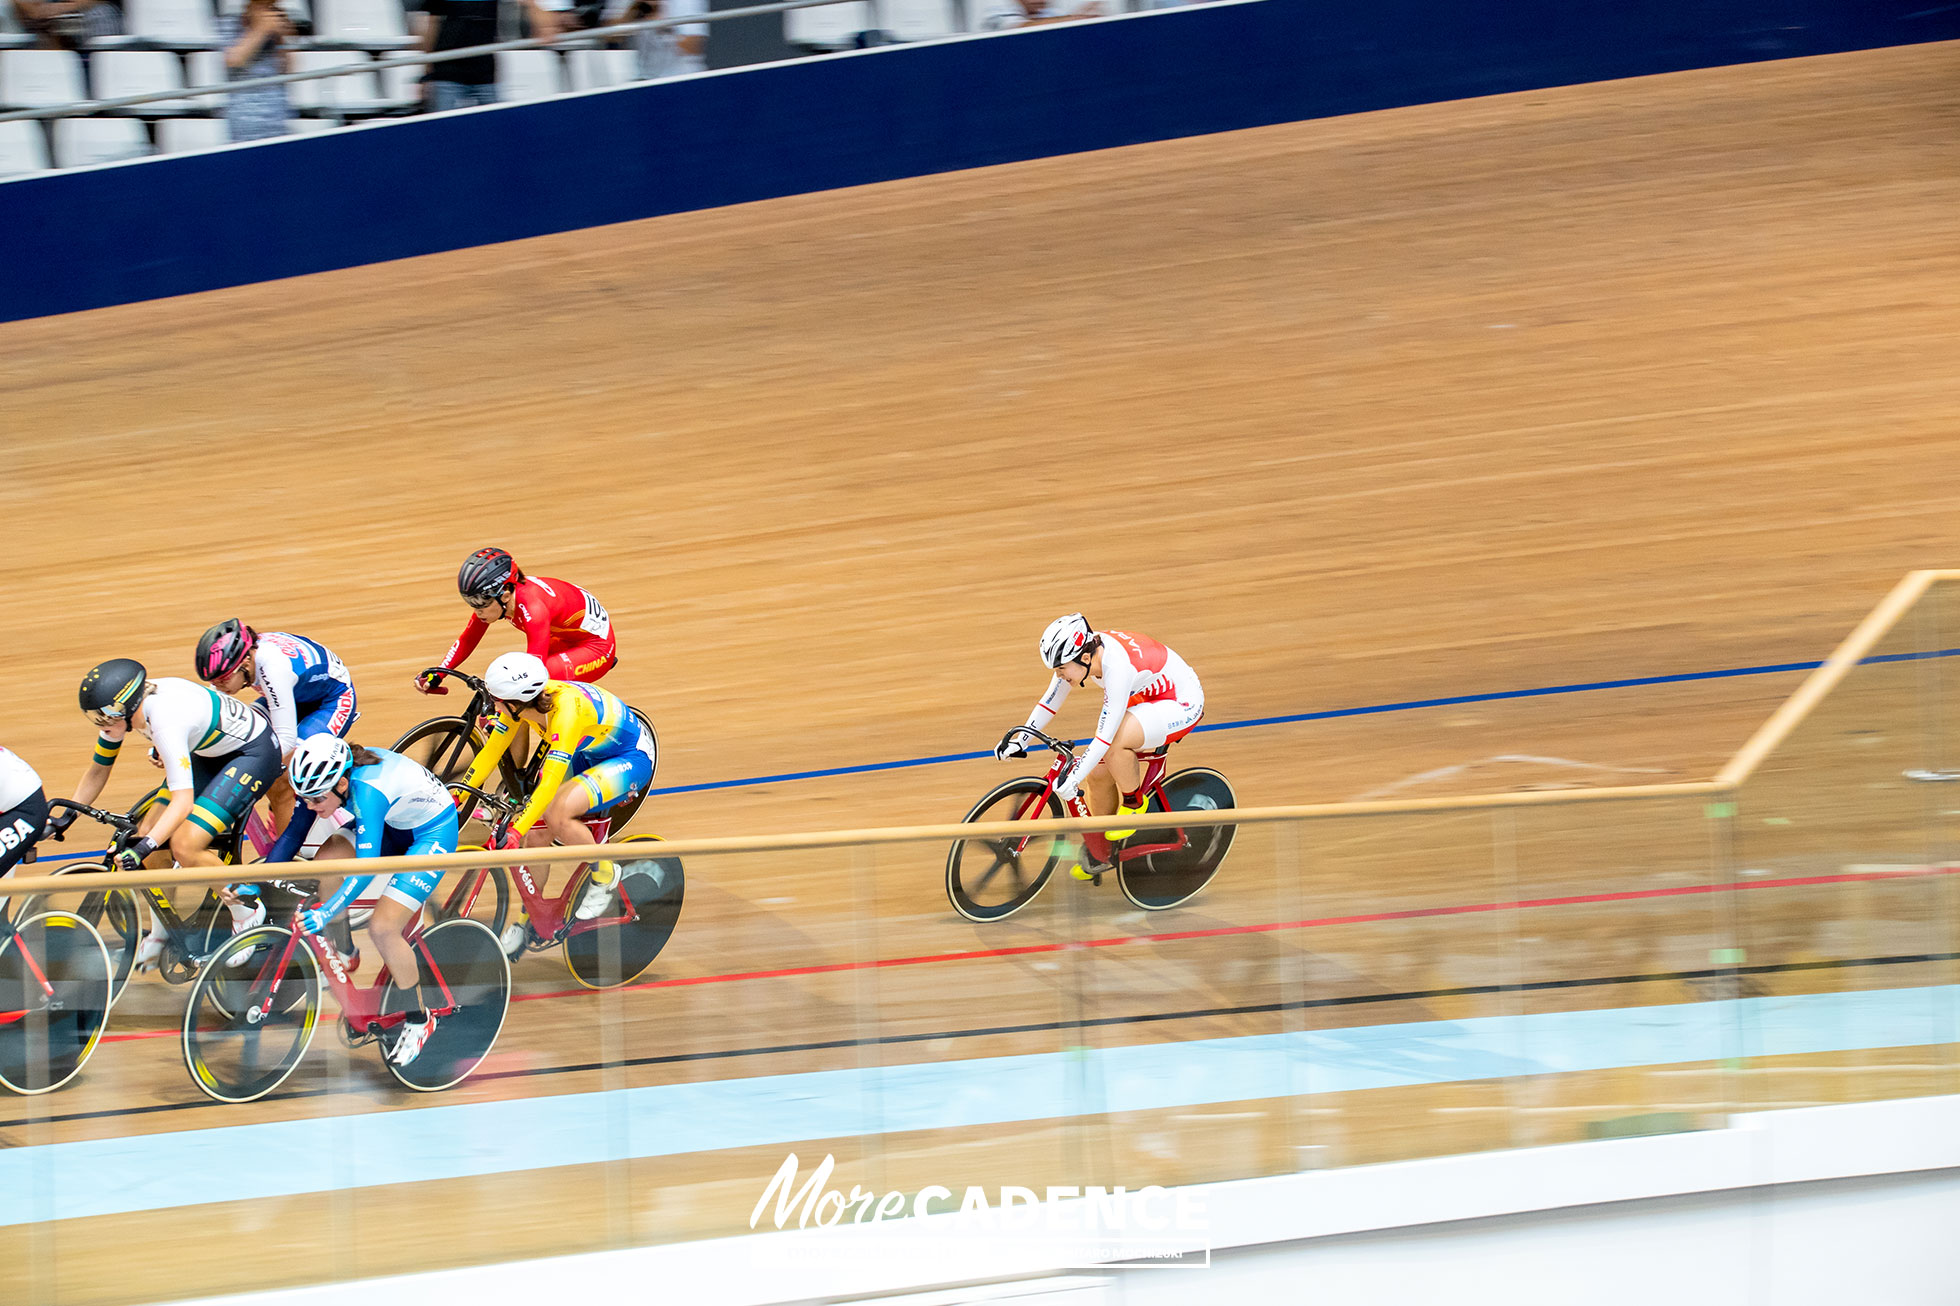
x=602 y=953
x=256 y=1004
x=991 y=879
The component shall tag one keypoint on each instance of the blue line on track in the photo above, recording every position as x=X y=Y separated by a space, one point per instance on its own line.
x=1329 y=715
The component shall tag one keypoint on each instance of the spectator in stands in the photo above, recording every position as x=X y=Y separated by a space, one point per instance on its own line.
x=1001 y=14
x=457 y=25
x=69 y=24
x=255 y=46
x=667 y=51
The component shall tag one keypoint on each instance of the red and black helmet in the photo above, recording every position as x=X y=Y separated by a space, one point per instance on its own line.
x=486 y=574
x=222 y=649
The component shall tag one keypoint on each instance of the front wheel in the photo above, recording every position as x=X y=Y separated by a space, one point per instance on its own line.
x=112 y=913
x=448 y=747
x=471 y=990
x=1162 y=880
x=617 y=946
x=247 y=1025
x=54 y=1000
x=991 y=879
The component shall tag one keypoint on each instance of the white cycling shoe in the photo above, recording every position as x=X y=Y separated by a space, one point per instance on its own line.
x=410 y=1042
x=513 y=939
x=242 y=921
x=149 y=952
x=597 y=897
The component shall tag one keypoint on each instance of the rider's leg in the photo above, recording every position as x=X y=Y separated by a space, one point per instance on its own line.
x=587 y=662
x=603 y=786
x=388 y=927
x=279 y=803
x=574 y=800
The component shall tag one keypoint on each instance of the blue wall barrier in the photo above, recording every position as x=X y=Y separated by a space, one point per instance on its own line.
x=140 y=231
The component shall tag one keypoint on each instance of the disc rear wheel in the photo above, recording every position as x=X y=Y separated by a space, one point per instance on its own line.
x=1162 y=880
x=617 y=946
x=475 y=981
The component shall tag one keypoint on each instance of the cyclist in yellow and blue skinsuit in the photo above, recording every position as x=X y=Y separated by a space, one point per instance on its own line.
x=591 y=739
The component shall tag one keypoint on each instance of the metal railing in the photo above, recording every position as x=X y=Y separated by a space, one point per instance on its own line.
x=585 y=37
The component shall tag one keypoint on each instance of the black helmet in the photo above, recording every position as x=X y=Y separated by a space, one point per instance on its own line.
x=222 y=648
x=485 y=575
x=114 y=688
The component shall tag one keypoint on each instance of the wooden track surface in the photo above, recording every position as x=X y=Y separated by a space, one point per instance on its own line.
x=1576 y=385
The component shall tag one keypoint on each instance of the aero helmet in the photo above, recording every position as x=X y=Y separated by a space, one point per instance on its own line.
x=1064 y=640
x=516 y=677
x=114 y=688
x=486 y=574
x=222 y=649
x=318 y=763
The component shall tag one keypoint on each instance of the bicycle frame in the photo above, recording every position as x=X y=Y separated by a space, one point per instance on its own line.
x=551 y=914
x=7 y=931
x=360 y=1007
x=1153 y=775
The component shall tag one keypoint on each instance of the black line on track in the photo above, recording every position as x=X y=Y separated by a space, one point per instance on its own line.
x=1051 y=1026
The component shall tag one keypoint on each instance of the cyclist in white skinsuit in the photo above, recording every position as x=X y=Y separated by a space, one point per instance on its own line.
x=23 y=810
x=1151 y=699
x=218 y=755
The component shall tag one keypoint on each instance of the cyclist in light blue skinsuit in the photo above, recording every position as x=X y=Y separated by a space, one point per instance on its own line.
x=399 y=808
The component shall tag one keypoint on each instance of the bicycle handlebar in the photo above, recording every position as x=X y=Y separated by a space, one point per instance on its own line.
x=441 y=673
x=118 y=820
x=498 y=801
x=1047 y=741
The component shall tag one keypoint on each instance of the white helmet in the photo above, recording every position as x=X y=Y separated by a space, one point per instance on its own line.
x=318 y=763
x=516 y=677
x=1064 y=639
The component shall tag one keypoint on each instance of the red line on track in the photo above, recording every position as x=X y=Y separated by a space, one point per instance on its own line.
x=1223 y=931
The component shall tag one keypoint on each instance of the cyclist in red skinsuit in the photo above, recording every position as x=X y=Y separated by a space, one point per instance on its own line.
x=562 y=624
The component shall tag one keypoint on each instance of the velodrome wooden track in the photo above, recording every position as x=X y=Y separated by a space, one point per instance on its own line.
x=1576 y=385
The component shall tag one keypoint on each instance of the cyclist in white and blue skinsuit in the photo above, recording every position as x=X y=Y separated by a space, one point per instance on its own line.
x=399 y=808
x=305 y=689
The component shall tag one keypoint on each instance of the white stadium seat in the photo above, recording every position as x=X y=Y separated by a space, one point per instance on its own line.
x=307 y=126
x=117 y=73
x=82 y=141
x=402 y=87
x=40 y=79
x=353 y=93
x=23 y=148
x=529 y=75
x=206 y=68
x=828 y=27
x=361 y=24
x=171 y=24
x=592 y=69
x=917 y=20
x=176 y=135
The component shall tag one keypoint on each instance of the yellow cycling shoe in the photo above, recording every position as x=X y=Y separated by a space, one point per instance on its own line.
x=1121 y=810
x=1093 y=874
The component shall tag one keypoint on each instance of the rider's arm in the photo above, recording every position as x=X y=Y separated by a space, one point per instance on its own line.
x=563 y=730
x=1051 y=703
x=97 y=775
x=277 y=683
x=1119 y=679
x=293 y=838
x=502 y=732
x=370 y=810
x=466 y=642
